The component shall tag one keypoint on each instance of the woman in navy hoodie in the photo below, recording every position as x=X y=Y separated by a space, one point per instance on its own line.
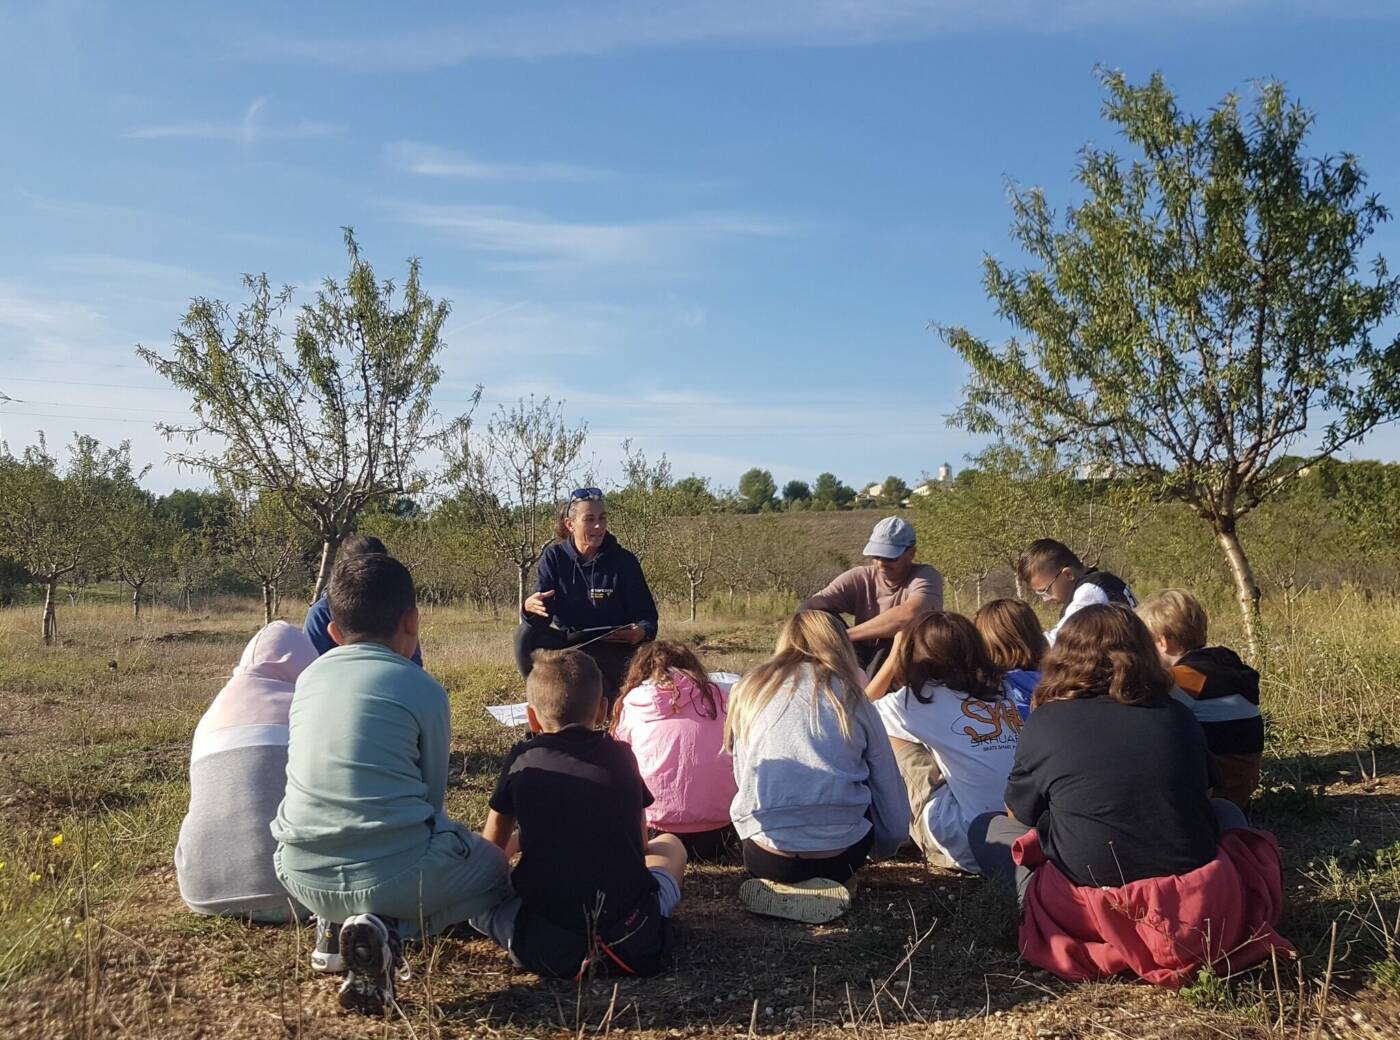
x=591 y=594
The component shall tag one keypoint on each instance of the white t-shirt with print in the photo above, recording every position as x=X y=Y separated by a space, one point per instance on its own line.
x=974 y=743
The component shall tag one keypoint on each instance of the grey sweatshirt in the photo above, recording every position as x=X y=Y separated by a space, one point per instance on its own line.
x=805 y=788
x=238 y=771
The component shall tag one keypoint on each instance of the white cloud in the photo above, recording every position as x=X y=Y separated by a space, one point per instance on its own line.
x=251 y=129
x=620 y=25
x=40 y=324
x=534 y=240
x=108 y=268
x=430 y=161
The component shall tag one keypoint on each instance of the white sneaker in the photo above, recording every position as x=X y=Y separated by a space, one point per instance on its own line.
x=811 y=902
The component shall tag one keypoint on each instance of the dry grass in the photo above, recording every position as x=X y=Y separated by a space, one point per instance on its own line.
x=93 y=740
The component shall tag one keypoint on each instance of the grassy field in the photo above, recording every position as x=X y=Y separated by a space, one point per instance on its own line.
x=94 y=738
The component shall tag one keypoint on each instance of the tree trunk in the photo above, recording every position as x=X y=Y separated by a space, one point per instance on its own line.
x=1020 y=585
x=522 y=571
x=329 y=548
x=693 y=589
x=979 y=592
x=268 y=607
x=50 y=611
x=136 y=602
x=1246 y=588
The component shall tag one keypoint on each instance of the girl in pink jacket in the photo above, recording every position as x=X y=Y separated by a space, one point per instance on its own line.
x=672 y=715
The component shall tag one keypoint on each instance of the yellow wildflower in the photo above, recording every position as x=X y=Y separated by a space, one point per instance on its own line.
x=35 y=878
x=57 y=840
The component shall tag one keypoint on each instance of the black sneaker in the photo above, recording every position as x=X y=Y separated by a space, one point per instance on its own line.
x=326 y=956
x=369 y=948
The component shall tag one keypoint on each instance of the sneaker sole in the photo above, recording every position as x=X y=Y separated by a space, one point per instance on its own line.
x=327 y=963
x=810 y=902
x=367 y=983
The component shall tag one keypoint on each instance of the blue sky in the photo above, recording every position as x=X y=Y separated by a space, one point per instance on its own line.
x=718 y=228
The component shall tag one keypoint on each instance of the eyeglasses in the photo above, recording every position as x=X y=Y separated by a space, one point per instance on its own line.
x=585 y=494
x=1045 y=592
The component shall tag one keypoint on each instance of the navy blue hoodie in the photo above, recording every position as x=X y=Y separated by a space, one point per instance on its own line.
x=609 y=589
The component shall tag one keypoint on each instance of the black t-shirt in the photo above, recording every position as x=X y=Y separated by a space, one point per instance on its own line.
x=578 y=797
x=1117 y=792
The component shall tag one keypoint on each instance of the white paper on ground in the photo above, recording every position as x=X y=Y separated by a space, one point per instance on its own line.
x=508 y=714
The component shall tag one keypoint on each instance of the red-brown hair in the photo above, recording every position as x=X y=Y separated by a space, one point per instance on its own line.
x=945 y=648
x=1103 y=651
x=653 y=663
x=1012 y=632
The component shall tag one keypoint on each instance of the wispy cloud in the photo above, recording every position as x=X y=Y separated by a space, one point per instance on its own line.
x=251 y=129
x=532 y=238
x=429 y=161
x=108 y=268
x=38 y=323
x=607 y=27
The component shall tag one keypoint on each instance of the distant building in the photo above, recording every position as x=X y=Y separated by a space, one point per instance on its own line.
x=945 y=473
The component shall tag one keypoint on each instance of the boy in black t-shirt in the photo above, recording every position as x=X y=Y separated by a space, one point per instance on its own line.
x=589 y=886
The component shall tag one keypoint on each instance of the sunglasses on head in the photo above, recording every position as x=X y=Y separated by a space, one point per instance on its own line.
x=585 y=494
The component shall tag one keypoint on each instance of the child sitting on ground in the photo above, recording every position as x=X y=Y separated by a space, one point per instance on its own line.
x=364 y=841
x=238 y=771
x=953 y=730
x=1113 y=840
x=1015 y=643
x=1056 y=574
x=819 y=791
x=1220 y=689
x=672 y=716
x=590 y=889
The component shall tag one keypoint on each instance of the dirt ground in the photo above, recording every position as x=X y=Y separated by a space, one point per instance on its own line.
x=96 y=752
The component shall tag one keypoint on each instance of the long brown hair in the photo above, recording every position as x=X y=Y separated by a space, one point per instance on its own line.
x=1015 y=641
x=810 y=638
x=655 y=661
x=945 y=648
x=1103 y=651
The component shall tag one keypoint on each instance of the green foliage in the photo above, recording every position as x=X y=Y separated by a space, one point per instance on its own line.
x=796 y=491
x=1199 y=313
x=830 y=493
x=893 y=492
x=757 y=490
x=338 y=423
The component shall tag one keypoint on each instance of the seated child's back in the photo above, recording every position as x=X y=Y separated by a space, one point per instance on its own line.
x=1016 y=643
x=672 y=716
x=588 y=885
x=238 y=769
x=1220 y=689
x=367 y=769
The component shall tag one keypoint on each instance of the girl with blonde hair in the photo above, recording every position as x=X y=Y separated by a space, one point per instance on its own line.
x=819 y=791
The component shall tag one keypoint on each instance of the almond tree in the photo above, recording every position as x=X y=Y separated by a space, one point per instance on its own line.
x=1204 y=311
x=515 y=476
x=335 y=423
x=139 y=542
x=50 y=520
x=265 y=539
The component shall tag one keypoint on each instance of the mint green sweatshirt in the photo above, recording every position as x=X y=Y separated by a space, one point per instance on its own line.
x=366 y=765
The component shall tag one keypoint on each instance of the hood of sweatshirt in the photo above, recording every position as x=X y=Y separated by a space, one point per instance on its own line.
x=1216 y=671
x=259 y=692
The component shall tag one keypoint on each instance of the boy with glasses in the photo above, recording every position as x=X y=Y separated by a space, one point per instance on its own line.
x=1056 y=574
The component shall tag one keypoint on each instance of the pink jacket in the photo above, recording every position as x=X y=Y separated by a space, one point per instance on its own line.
x=1164 y=930
x=681 y=755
